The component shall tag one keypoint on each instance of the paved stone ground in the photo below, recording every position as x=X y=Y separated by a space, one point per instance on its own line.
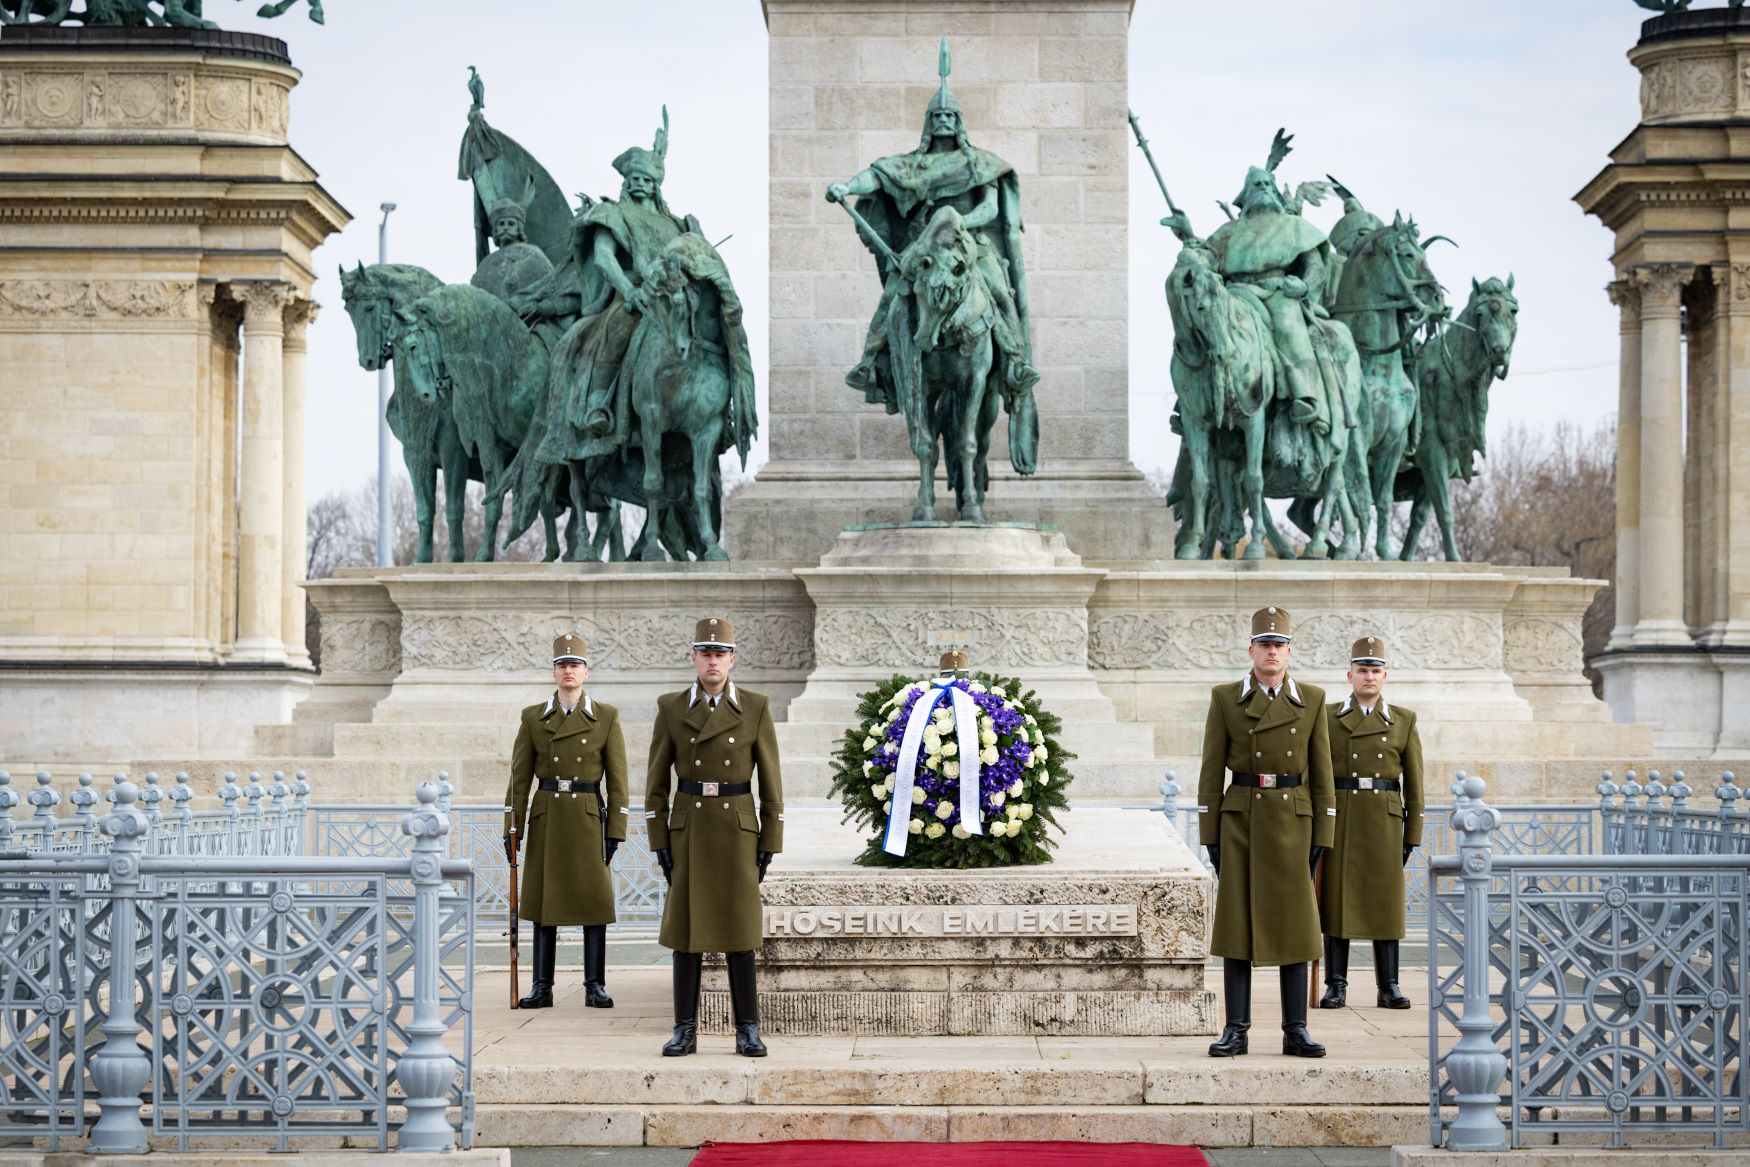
x=1229 y=1157
x=571 y=1078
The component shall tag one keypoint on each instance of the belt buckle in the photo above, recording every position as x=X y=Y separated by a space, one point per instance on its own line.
x=1267 y=781
x=1366 y=783
x=710 y=789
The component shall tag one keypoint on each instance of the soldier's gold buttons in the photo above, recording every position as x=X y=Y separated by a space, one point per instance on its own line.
x=693 y=741
x=1258 y=754
x=1293 y=729
x=698 y=804
x=731 y=741
x=697 y=762
x=726 y=761
x=1291 y=753
x=1354 y=755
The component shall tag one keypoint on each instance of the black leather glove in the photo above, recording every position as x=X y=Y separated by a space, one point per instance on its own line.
x=1214 y=850
x=510 y=849
x=1409 y=849
x=765 y=858
x=665 y=860
x=1312 y=863
x=612 y=846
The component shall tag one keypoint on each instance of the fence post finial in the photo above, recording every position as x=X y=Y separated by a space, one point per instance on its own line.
x=1475 y=1066
x=425 y=1070
x=1170 y=791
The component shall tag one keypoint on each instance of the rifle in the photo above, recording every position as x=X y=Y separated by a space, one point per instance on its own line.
x=1312 y=984
x=515 y=926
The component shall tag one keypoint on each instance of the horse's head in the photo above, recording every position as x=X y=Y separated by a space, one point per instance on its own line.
x=367 y=303
x=1392 y=265
x=1195 y=288
x=1494 y=312
x=941 y=265
x=418 y=349
x=664 y=285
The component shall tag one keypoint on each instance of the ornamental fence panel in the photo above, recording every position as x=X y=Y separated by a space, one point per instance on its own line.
x=274 y=994
x=1600 y=996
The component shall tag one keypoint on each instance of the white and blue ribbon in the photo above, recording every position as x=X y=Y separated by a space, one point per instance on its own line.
x=905 y=773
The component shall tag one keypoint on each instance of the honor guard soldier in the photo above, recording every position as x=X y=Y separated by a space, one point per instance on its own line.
x=1267 y=831
x=1376 y=754
x=715 y=842
x=568 y=799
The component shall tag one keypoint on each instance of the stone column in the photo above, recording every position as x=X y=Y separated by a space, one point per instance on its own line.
x=1626 y=295
x=1661 y=619
x=261 y=514
x=1732 y=464
x=299 y=315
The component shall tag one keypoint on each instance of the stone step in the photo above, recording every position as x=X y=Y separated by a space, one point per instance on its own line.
x=1229 y=1125
x=1117 y=740
x=811 y=778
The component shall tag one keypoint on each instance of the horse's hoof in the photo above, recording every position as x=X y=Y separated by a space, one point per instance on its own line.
x=972 y=514
x=1316 y=551
x=717 y=555
x=923 y=514
x=1254 y=550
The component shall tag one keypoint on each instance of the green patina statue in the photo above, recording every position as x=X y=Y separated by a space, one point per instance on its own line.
x=1322 y=369
x=949 y=341
x=1679 y=5
x=656 y=367
x=131 y=13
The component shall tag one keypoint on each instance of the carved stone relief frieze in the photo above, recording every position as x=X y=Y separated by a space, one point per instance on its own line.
x=515 y=643
x=910 y=638
x=221 y=103
x=1534 y=645
x=361 y=644
x=122 y=299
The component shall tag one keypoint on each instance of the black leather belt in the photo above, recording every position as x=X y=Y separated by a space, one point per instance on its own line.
x=571 y=786
x=715 y=789
x=1268 y=781
x=1369 y=784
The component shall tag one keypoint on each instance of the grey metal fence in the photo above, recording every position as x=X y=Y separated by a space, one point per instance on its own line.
x=1592 y=993
x=278 y=995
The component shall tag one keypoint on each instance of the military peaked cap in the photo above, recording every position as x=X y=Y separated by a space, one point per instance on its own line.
x=714 y=632
x=570 y=649
x=1271 y=624
x=1369 y=650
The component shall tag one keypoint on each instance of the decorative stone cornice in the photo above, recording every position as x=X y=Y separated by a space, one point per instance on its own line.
x=1662 y=287
x=299 y=315
x=1626 y=295
x=96 y=299
x=264 y=304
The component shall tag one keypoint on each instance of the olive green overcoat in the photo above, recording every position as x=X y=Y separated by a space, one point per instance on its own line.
x=564 y=879
x=714 y=900
x=1363 y=893
x=1265 y=908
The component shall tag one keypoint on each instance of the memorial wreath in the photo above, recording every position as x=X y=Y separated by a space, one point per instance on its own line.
x=958 y=770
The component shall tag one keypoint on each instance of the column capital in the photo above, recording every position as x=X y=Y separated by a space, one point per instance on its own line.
x=299 y=315
x=1626 y=295
x=264 y=303
x=1732 y=278
x=1662 y=287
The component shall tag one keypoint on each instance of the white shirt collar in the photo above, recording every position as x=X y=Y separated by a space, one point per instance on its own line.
x=1382 y=708
x=1248 y=684
x=553 y=702
x=694 y=693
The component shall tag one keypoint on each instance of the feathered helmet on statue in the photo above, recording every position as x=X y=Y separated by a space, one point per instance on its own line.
x=959 y=769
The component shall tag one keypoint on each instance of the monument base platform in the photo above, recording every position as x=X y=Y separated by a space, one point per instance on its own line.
x=1107 y=940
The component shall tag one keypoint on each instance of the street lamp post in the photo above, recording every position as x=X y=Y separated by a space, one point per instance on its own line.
x=385 y=553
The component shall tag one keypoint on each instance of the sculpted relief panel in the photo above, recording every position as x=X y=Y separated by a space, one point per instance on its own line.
x=1543 y=646
x=911 y=638
x=515 y=643
x=1165 y=639
x=119 y=299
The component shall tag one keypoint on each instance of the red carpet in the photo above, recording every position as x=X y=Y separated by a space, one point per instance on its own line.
x=827 y=1153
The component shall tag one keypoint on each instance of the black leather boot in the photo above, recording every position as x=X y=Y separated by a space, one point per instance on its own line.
x=744 y=998
x=1236 y=990
x=1296 y=1041
x=595 y=960
x=1336 y=973
x=546 y=950
x=1385 y=971
x=687 y=969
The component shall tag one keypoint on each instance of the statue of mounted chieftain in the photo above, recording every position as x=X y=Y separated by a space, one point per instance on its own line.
x=1323 y=369
x=949 y=342
x=131 y=13
x=596 y=357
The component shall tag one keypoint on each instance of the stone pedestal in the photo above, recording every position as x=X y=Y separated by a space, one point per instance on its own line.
x=1043 y=84
x=147 y=191
x=892 y=598
x=1109 y=939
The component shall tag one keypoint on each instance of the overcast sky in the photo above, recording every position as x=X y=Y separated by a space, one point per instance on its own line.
x=1482 y=118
